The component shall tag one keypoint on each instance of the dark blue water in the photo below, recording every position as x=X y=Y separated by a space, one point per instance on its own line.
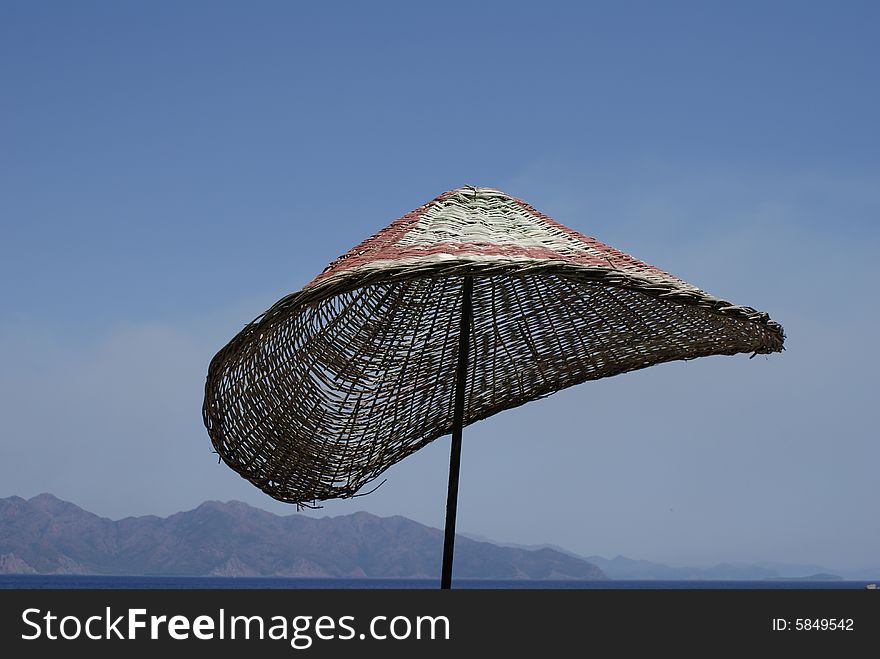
x=8 y=581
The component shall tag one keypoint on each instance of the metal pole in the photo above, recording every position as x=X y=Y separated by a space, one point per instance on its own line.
x=457 y=420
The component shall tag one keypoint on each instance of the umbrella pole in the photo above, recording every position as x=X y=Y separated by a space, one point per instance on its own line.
x=457 y=422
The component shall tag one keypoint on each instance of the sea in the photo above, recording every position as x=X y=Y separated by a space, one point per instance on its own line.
x=43 y=581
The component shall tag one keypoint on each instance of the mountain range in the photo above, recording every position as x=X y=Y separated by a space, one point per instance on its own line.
x=46 y=535
x=49 y=536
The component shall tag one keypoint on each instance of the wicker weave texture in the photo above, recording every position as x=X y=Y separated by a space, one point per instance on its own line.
x=337 y=382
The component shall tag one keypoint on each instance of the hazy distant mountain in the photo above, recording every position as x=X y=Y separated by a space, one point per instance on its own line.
x=622 y=567
x=47 y=535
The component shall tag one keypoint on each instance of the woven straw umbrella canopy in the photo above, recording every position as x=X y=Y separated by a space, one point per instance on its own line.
x=471 y=304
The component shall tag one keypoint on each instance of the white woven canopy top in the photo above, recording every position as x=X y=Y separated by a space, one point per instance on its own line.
x=340 y=380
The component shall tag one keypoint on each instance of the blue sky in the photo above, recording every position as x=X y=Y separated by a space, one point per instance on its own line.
x=169 y=170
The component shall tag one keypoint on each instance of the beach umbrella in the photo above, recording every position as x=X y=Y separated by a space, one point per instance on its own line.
x=471 y=304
